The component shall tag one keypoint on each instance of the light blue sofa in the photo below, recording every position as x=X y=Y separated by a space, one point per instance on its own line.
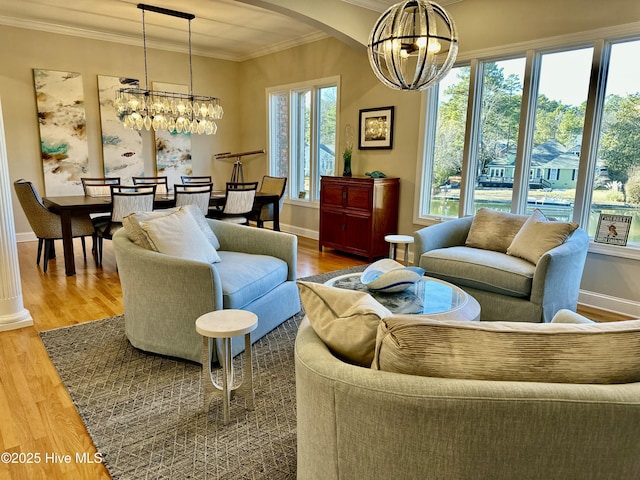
x=506 y=287
x=164 y=295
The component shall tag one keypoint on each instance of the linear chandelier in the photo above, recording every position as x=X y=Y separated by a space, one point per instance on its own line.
x=175 y=112
x=413 y=45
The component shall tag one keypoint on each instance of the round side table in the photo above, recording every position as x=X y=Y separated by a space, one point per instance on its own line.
x=224 y=325
x=394 y=241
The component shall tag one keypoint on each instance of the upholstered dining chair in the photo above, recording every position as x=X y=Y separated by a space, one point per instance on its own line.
x=276 y=185
x=238 y=203
x=188 y=179
x=124 y=200
x=161 y=182
x=47 y=225
x=197 y=194
x=98 y=186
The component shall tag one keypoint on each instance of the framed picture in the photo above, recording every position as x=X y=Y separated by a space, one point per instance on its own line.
x=613 y=229
x=376 y=128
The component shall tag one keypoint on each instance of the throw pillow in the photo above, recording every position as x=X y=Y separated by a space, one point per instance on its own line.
x=493 y=230
x=596 y=353
x=538 y=235
x=131 y=225
x=345 y=320
x=179 y=235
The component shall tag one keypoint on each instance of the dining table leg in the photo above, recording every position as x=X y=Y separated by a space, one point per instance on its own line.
x=276 y=215
x=67 y=243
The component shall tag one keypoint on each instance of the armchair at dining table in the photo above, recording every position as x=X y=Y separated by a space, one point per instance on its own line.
x=265 y=213
x=46 y=225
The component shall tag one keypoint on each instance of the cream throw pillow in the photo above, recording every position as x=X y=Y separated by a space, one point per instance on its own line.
x=179 y=235
x=493 y=230
x=131 y=225
x=345 y=320
x=538 y=235
x=594 y=353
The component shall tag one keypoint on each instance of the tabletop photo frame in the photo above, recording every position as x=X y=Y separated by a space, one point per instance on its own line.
x=376 y=128
x=613 y=229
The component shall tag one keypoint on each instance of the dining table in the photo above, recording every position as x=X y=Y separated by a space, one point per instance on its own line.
x=69 y=206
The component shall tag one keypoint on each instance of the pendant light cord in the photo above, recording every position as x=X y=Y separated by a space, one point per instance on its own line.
x=144 y=47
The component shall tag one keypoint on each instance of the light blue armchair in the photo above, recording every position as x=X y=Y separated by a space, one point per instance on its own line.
x=507 y=287
x=164 y=295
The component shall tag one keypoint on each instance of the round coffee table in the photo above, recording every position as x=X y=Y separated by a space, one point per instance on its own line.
x=429 y=296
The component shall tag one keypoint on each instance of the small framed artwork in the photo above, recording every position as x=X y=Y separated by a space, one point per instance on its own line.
x=613 y=229
x=376 y=128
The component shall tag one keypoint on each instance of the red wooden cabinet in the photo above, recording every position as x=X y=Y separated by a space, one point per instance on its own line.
x=357 y=212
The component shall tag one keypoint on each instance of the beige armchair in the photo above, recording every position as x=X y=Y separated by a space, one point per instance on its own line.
x=269 y=184
x=47 y=225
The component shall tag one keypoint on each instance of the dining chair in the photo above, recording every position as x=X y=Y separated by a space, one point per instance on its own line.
x=197 y=194
x=98 y=186
x=273 y=185
x=47 y=225
x=161 y=182
x=238 y=203
x=188 y=179
x=124 y=200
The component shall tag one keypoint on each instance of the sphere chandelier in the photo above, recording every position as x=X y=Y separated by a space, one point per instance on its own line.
x=413 y=45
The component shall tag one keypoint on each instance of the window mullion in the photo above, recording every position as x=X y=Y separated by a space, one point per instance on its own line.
x=591 y=132
x=471 y=138
x=525 y=135
x=314 y=146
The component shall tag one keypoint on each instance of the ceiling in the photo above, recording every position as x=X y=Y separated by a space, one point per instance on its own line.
x=225 y=29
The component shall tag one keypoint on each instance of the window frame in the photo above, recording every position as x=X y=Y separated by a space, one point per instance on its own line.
x=293 y=90
x=601 y=41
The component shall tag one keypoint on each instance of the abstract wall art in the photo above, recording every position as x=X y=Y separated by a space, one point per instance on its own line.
x=121 y=148
x=63 y=136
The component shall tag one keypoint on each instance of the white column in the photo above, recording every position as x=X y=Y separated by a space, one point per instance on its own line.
x=12 y=312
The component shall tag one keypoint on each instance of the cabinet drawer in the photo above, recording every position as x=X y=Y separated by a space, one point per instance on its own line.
x=358 y=197
x=332 y=194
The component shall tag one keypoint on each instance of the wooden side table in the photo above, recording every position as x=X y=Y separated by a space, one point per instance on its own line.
x=224 y=325
x=394 y=240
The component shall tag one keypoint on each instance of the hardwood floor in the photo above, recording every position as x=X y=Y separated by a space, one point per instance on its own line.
x=38 y=421
x=37 y=417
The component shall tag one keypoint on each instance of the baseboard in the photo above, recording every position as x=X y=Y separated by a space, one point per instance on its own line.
x=26 y=237
x=609 y=303
x=301 y=232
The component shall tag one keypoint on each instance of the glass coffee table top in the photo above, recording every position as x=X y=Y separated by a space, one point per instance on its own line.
x=428 y=296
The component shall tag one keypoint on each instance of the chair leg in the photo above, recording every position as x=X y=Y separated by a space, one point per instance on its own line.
x=84 y=248
x=99 y=252
x=48 y=248
x=40 y=242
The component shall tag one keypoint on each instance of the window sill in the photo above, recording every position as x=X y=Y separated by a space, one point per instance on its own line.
x=631 y=252
x=302 y=203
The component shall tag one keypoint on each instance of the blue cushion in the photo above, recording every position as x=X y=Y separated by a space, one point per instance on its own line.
x=246 y=277
x=481 y=269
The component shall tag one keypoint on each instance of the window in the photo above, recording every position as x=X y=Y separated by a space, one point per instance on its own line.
x=302 y=135
x=441 y=185
x=553 y=142
x=616 y=187
x=497 y=142
x=560 y=109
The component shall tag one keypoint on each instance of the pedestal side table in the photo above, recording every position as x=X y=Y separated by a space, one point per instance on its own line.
x=224 y=325
x=394 y=240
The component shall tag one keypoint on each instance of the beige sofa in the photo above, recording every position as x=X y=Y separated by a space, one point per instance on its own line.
x=358 y=423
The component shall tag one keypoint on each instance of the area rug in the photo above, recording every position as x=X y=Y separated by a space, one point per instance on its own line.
x=144 y=412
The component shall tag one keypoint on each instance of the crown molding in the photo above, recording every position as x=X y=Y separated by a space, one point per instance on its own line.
x=169 y=47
